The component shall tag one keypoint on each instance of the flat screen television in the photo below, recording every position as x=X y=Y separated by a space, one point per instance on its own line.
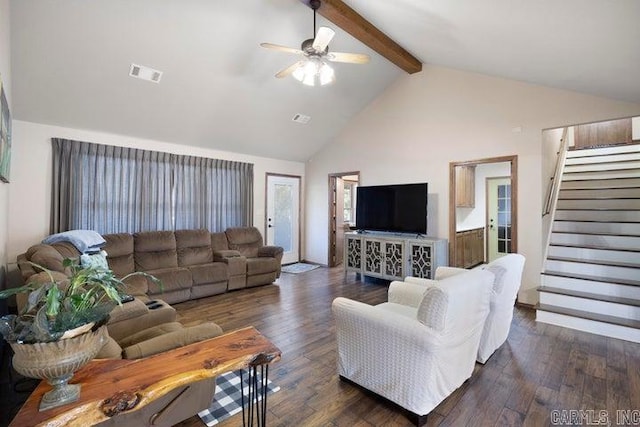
x=397 y=208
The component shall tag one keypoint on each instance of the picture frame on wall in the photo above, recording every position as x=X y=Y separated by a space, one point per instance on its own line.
x=5 y=135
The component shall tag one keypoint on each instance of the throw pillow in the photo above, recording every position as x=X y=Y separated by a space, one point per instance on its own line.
x=98 y=260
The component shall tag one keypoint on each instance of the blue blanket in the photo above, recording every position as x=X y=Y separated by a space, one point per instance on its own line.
x=86 y=241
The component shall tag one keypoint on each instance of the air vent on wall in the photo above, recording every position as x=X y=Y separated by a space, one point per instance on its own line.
x=301 y=118
x=145 y=73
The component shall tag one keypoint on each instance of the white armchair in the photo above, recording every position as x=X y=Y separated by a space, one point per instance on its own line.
x=508 y=276
x=414 y=356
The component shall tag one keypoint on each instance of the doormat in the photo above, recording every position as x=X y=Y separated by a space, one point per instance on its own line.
x=299 y=267
x=227 y=400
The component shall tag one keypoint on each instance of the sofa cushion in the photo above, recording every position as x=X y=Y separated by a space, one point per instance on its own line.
x=149 y=333
x=172 y=279
x=246 y=240
x=46 y=256
x=194 y=247
x=136 y=285
x=67 y=250
x=110 y=350
x=155 y=250
x=172 y=340
x=219 y=241
x=119 y=248
x=209 y=273
x=261 y=265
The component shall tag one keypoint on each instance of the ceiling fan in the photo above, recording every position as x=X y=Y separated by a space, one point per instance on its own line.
x=313 y=68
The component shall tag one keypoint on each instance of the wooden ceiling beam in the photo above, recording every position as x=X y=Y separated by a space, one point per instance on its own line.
x=353 y=23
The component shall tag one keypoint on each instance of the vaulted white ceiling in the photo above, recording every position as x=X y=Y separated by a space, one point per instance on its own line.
x=70 y=62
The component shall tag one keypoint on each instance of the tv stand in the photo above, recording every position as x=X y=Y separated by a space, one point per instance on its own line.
x=394 y=256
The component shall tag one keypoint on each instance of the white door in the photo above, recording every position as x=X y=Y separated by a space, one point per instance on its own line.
x=498 y=217
x=283 y=210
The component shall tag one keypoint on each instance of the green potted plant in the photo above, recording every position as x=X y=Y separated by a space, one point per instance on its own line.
x=62 y=326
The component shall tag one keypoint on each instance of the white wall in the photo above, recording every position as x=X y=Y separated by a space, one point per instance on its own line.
x=5 y=73
x=426 y=120
x=475 y=217
x=30 y=198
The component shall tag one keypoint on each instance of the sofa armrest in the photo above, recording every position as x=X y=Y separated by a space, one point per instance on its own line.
x=419 y=281
x=128 y=310
x=444 y=272
x=172 y=340
x=404 y=293
x=270 y=251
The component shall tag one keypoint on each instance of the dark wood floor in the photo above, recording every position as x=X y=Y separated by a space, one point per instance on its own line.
x=539 y=369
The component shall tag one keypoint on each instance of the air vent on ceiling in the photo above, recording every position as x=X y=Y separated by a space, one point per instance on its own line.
x=301 y=118
x=145 y=73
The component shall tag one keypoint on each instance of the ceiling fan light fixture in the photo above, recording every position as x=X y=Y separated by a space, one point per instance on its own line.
x=314 y=72
x=327 y=75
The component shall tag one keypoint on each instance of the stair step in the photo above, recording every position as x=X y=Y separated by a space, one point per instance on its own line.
x=593 y=239
x=601 y=183
x=595 y=253
x=600 y=193
x=626 y=228
x=611 y=203
x=587 y=277
x=603 y=151
x=598 y=262
x=602 y=166
x=628 y=215
x=611 y=326
x=607 y=158
x=591 y=286
x=631 y=323
x=597 y=269
x=591 y=296
x=598 y=175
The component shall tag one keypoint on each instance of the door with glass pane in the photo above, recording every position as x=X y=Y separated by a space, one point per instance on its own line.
x=498 y=217
x=283 y=210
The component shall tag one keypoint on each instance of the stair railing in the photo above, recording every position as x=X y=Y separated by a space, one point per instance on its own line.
x=554 y=187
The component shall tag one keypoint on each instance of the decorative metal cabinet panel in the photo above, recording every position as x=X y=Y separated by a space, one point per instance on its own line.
x=373 y=257
x=353 y=252
x=393 y=259
x=393 y=256
x=425 y=255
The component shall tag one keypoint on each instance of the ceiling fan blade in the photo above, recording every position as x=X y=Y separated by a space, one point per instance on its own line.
x=324 y=36
x=280 y=48
x=352 y=58
x=290 y=69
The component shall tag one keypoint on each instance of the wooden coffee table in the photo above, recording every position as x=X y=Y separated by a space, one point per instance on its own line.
x=114 y=388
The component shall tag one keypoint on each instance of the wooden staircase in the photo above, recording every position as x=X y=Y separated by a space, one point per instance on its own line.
x=591 y=276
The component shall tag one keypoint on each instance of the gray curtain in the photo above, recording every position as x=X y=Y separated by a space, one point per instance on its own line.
x=213 y=194
x=117 y=189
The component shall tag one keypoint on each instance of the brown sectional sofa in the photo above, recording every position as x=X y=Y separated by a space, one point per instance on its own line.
x=189 y=263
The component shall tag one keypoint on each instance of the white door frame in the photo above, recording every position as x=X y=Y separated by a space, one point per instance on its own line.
x=294 y=255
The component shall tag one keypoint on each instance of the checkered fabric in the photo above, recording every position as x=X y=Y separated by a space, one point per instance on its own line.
x=227 y=398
